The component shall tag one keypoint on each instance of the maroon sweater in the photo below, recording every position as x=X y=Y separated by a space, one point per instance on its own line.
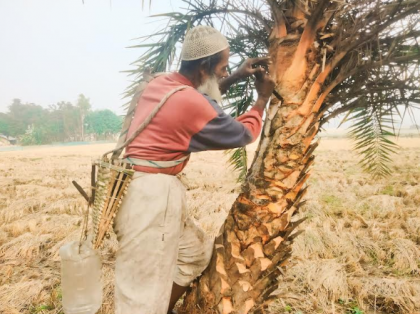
x=188 y=122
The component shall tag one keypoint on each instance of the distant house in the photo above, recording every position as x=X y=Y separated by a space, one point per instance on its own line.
x=10 y=139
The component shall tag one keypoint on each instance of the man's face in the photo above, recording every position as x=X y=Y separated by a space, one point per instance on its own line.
x=220 y=71
x=210 y=84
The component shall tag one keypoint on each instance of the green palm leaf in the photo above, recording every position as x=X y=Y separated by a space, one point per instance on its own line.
x=377 y=75
x=371 y=132
x=238 y=160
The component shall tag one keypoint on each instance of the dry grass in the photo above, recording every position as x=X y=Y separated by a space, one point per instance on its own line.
x=360 y=249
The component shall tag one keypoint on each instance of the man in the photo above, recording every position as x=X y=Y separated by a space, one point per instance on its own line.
x=161 y=251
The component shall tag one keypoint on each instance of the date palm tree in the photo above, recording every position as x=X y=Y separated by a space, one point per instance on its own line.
x=359 y=58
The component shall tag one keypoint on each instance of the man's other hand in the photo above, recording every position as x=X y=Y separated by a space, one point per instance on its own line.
x=253 y=66
x=264 y=84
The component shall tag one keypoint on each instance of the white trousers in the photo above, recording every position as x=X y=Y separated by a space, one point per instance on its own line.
x=157 y=245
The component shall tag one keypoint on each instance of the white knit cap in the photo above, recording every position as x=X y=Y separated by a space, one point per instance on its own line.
x=202 y=41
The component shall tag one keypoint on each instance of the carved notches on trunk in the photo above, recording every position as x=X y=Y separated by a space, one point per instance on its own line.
x=255 y=242
x=253 y=245
x=243 y=272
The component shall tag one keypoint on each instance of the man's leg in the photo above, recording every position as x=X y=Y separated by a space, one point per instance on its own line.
x=177 y=292
x=195 y=251
x=148 y=227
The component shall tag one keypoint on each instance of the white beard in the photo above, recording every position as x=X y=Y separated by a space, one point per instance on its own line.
x=211 y=88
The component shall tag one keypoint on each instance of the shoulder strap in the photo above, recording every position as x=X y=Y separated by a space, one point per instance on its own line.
x=147 y=77
x=121 y=144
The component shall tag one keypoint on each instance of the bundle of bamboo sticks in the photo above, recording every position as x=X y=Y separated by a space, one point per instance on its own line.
x=113 y=178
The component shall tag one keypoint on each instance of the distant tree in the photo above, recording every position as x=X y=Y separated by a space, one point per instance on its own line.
x=71 y=123
x=83 y=104
x=55 y=124
x=36 y=135
x=4 y=124
x=21 y=116
x=103 y=122
x=63 y=121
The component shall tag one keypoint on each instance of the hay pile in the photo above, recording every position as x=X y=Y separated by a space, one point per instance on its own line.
x=360 y=249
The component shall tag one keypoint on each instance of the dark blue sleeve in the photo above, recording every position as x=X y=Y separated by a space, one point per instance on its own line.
x=223 y=132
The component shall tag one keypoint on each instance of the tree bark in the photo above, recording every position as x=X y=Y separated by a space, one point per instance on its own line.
x=254 y=244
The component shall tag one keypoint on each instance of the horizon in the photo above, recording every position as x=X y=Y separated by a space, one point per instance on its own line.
x=54 y=51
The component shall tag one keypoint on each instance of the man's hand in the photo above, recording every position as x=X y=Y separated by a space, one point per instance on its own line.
x=249 y=67
x=252 y=66
x=264 y=84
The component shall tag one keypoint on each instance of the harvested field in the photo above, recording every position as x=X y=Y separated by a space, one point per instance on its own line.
x=360 y=250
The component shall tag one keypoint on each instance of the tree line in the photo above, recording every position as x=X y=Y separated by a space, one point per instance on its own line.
x=33 y=124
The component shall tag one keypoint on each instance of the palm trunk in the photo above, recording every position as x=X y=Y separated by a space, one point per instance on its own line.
x=256 y=238
x=257 y=235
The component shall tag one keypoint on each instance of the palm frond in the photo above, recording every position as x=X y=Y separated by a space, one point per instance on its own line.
x=380 y=41
x=247 y=30
x=245 y=26
x=372 y=131
x=238 y=159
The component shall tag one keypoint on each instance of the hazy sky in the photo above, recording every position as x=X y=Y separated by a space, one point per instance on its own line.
x=53 y=50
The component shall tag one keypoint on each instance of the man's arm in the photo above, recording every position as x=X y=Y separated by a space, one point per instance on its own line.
x=224 y=132
x=249 y=67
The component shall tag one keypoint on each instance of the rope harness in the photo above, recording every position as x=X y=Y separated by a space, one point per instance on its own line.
x=111 y=176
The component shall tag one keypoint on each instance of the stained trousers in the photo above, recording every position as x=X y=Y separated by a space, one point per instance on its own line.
x=158 y=245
